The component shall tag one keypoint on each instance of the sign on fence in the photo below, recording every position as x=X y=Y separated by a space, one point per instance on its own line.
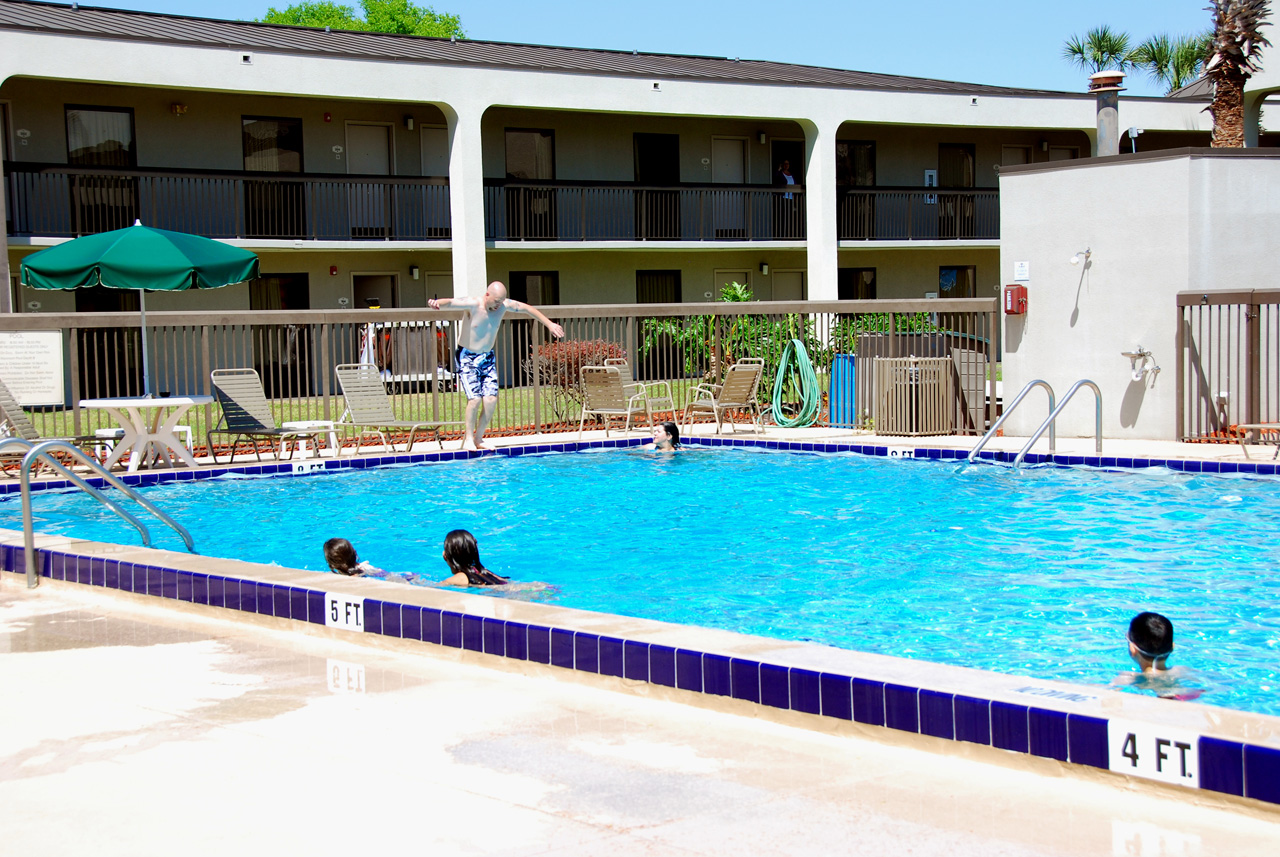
x=32 y=366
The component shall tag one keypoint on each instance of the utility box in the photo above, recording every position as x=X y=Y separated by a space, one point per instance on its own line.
x=914 y=396
x=1015 y=300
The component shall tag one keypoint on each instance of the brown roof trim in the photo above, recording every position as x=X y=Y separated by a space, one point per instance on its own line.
x=1190 y=152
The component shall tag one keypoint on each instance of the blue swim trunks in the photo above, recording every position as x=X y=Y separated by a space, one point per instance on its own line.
x=479 y=372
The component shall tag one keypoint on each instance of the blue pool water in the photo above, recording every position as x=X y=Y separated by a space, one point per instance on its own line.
x=1033 y=572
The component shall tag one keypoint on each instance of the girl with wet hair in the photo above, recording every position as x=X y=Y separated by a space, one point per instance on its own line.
x=462 y=553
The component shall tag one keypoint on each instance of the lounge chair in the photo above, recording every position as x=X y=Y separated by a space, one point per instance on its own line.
x=603 y=395
x=369 y=410
x=1267 y=433
x=737 y=393
x=657 y=394
x=14 y=422
x=246 y=414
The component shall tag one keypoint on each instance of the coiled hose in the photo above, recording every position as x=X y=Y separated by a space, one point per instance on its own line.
x=795 y=368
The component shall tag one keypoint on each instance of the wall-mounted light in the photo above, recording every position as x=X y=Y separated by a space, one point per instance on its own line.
x=408 y=123
x=1044 y=145
x=761 y=137
x=764 y=268
x=1082 y=256
x=414 y=271
x=178 y=109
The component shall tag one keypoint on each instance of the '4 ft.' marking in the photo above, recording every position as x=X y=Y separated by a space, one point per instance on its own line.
x=1154 y=752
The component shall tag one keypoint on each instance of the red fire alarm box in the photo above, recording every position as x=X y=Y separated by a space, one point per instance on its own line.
x=1015 y=300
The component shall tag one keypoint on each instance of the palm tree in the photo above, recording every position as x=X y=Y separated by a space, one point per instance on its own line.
x=1101 y=48
x=1235 y=46
x=1175 y=61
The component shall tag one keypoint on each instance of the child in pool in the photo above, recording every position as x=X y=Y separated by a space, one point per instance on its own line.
x=666 y=437
x=340 y=554
x=1150 y=645
x=462 y=553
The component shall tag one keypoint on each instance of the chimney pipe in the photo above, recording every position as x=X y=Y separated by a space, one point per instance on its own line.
x=1107 y=86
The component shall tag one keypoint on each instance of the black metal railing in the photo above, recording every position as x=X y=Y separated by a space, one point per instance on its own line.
x=917 y=214
x=59 y=200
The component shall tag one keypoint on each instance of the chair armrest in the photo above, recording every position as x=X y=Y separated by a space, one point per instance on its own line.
x=651 y=388
x=707 y=390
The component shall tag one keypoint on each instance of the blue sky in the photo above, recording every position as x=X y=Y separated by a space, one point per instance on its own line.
x=1002 y=42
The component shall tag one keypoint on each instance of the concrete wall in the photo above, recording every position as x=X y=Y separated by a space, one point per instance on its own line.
x=1156 y=224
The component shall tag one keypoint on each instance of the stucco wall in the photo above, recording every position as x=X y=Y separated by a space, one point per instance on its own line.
x=1156 y=226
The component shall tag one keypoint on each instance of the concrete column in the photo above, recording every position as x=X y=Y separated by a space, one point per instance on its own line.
x=820 y=208
x=466 y=201
x=1253 y=117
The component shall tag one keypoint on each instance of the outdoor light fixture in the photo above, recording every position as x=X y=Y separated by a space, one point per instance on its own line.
x=177 y=109
x=408 y=123
x=413 y=271
x=762 y=137
x=1082 y=256
x=764 y=268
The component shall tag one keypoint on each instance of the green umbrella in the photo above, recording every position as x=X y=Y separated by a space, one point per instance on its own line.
x=140 y=258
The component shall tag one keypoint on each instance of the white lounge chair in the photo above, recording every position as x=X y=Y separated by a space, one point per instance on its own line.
x=603 y=395
x=737 y=393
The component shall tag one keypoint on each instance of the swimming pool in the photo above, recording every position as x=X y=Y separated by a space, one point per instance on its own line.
x=1032 y=572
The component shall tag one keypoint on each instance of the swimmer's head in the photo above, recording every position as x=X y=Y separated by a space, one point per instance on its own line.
x=1150 y=638
x=666 y=436
x=341 y=556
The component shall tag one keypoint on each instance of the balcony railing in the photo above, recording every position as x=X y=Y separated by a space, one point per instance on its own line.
x=918 y=214
x=58 y=200
x=623 y=211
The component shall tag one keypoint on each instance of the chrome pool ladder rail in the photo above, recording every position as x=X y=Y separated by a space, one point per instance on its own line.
x=44 y=450
x=1048 y=423
x=1017 y=400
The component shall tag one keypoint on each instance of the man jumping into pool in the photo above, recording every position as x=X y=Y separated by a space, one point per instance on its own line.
x=476 y=363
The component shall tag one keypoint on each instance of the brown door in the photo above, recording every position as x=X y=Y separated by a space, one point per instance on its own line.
x=273 y=208
x=657 y=212
x=531 y=210
x=956 y=168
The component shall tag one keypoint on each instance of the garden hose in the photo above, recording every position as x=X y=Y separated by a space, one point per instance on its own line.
x=805 y=380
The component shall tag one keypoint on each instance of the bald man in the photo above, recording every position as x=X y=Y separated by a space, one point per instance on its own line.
x=476 y=364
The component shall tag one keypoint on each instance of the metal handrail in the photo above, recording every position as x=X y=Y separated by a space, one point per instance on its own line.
x=1048 y=423
x=44 y=449
x=1053 y=439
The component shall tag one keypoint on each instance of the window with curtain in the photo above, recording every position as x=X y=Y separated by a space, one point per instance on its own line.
x=658 y=287
x=856 y=284
x=958 y=281
x=855 y=163
x=100 y=137
x=531 y=154
x=272 y=145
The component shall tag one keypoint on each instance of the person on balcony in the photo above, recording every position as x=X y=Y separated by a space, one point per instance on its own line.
x=477 y=366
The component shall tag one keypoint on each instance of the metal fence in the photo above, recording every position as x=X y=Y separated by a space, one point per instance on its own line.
x=913 y=214
x=1228 y=362
x=295 y=352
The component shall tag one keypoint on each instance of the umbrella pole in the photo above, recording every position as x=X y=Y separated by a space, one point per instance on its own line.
x=146 y=361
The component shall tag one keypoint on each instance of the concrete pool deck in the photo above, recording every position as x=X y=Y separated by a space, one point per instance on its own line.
x=135 y=729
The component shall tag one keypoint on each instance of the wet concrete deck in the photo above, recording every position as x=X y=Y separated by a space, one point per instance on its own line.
x=133 y=729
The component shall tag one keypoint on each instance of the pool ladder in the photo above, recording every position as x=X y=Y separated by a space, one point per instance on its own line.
x=44 y=450
x=1049 y=422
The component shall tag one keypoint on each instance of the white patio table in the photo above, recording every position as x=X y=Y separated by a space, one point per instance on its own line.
x=148 y=424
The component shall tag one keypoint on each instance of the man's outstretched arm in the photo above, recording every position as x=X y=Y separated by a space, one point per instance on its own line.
x=442 y=303
x=524 y=309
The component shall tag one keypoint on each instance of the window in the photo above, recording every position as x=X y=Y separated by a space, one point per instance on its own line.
x=1012 y=156
x=958 y=281
x=273 y=208
x=531 y=154
x=658 y=287
x=1063 y=153
x=100 y=137
x=855 y=163
x=538 y=288
x=856 y=284
x=272 y=145
x=280 y=291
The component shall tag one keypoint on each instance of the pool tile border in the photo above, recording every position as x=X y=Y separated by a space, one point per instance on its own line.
x=1228 y=767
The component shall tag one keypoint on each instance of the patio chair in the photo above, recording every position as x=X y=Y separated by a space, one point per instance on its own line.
x=369 y=410
x=246 y=414
x=1267 y=433
x=737 y=393
x=603 y=395
x=14 y=422
x=657 y=394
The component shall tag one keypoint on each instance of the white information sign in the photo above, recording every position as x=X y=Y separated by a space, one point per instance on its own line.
x=1154 y=752
x=32 y=361
x=345 y=677
x=1021 y=272
x=343 y=611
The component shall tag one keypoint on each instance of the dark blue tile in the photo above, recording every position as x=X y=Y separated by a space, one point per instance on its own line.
x=431 y=626
x=561 y=648
x=217 y=589
x=97 y=571
x=1047 y=734
x=111 y=574
x=373 y=617
x=472 y=634
x=837 y=698
x=263 y=598
x=805 y=693
x=298 y=607
x=868 y=701
x=611 y=656
x=495 y=637
x=315 y=604
x=155 y=581
x=689 y=670
x=1009 y=726
x=973 y=719
x=199 y=588
x=390 y=619
x=744 y=678
x=280 y=599
x=517 y=642
x=451 y=629
x=1221 y=766
x=937 y=716
x=635 y=660
x=775 y=688
x=1262 y=773
x=539 y=644
x=1087 y=741
x=901 y=710
x=230 y=588
x=716 y=678
x=662 y=665
x=586 y=652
